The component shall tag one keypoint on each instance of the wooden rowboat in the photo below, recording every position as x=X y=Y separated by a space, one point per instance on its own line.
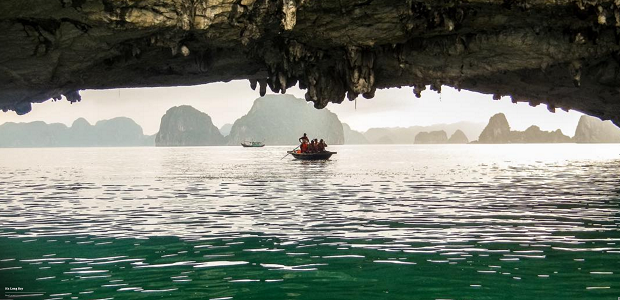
x=312 y=156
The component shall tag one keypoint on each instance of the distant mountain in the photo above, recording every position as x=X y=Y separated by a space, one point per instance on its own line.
x=593 y=130
x=433 y=137
x=392 y=135
x=458 y=137
x=33 y=134
x=225 y=129
x=407 y=135
x=117 y=132
x=533 y=134
x=385 y=140
x=149 y=140
x=81 y=130
x=282 y=119
x=352 y=137
x=498 y=132
x=187 y=126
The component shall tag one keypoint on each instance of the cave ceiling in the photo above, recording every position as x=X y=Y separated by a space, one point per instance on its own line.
x=562 y=53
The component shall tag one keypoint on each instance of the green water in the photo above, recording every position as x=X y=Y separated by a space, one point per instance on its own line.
x=204 y=223
x=307 y=269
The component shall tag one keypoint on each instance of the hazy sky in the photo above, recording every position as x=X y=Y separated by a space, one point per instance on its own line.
x=226 y=102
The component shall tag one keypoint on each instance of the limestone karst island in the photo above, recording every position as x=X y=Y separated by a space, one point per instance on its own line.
x=309 y=149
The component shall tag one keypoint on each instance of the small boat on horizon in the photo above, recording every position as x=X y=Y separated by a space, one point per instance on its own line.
x=252 y=144
x=324 y=155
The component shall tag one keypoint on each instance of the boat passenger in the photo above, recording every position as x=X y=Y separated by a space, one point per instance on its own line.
x=321 y=146
x=304 y=143
x=312 y=147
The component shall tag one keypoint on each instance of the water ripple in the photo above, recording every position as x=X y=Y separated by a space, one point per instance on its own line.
x=474 y=221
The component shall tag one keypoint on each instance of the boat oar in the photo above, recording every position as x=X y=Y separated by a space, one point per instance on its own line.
x=289 y=152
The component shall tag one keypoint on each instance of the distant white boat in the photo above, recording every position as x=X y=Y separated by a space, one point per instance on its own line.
x=252 y=144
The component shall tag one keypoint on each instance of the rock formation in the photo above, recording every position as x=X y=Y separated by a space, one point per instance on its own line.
x=561 y=53
x=225 y=129
x=282 y=119
x=458 y=137
x=407 y=135
x=385 y=140
x=593 y=130
x=533 y=134
x=83 y=132
x=117 y=132
x=33 y=134
x=433 y=137
x=394 y=135
x=352 y=137
x=187 y=126
x=498 y=132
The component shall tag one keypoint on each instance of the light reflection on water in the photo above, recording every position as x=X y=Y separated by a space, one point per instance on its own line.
x=397 y=222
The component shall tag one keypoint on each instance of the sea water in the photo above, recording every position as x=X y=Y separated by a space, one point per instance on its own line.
x=374 y=222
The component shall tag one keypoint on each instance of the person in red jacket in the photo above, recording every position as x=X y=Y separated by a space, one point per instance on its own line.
x=304 y=140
